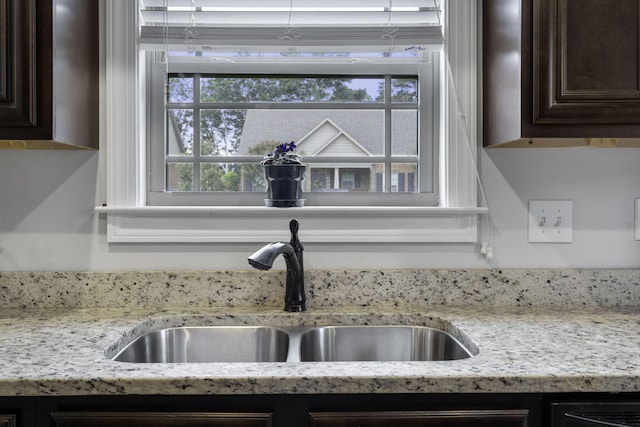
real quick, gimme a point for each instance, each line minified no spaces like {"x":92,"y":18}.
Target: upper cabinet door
{"x":586,"y":63}
{"x":49,"y":71}
{"x":25,"y":88}
{"x":574,"y":68}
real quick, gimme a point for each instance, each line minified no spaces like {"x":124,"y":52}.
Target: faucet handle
{"x":294,"y":226}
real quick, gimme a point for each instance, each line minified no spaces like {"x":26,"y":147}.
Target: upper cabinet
{"x":49,"y":73}
{"x":561,"y":72}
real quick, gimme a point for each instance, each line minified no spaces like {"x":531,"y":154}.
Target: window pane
{"x":289,"y":89}
{"x":180,"y":89}
{"x":252,"y":178}
{"x":355,"y":179}
{"x":403,"y":178}
{"x":320,"y":179}
{"x":352,"y":141}
{"x":345,"y":178}
{"x":404,"y":90}
{"x":219,"y":177}
{"x":220,"y":131}
{"x":180,"y":176}
{"x":404,"y":132}
{"x":363,"y":89}
{"x":180,"y":132}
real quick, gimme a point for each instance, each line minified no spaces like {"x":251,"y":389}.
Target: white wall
{"x":47,"y":220}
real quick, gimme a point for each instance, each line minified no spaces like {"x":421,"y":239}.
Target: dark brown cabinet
{"x":498,"y":418}
{"x":159,"y":419}
{"x":284,"y":410}
{"x":585,"y":413}
{"x":17,"y":412}
{"x":561,"y":72}
{"x":8,"y":420}
{"x":49,"y":73}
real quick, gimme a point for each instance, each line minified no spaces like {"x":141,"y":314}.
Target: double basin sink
{"x":293,"y":344}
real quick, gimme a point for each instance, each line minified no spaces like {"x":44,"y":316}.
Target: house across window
{"x":355,"y":133}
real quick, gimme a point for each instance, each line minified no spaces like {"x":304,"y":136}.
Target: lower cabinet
{"x":458,"y":418}
{"x":343,"y":410}
{"x":159,"y":419}
{"x":8,"y":420}
{"x":593,"y":412}
{"x":482,"y":418}
{"x":17,"y":411}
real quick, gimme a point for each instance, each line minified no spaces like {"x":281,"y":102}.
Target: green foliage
{"x":212,"y":178}
{"x":231,"y":181}
{"x":185,"y":176}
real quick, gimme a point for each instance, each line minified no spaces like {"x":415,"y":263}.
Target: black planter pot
{"x":284,"y":185}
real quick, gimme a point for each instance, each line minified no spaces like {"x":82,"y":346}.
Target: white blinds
{"x":311,"y":25}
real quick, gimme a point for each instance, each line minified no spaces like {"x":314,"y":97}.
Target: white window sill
{"x":327,"y":224}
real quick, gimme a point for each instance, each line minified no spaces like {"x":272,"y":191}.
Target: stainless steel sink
{"x":379,"y":343}
{"x":208,"y":344}
{"x":292,"y":344}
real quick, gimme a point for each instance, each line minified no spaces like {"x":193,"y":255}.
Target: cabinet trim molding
{"x":21,"y":82}
{"x":461,"y":418}
{"x":5,"y":70}
{"x":8,"y":420}
{"x":161,"y":419}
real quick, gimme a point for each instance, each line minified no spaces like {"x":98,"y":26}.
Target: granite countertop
{"x":63,"y":351}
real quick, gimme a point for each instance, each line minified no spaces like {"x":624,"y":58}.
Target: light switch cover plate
{"x":550,"y":221}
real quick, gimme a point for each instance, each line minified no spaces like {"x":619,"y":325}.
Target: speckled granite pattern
{"x":63,"y":352}
{"x":158,"y":289}
{"x":533,"y":330}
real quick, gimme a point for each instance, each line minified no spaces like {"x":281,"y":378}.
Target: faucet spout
{"x":263,"y":258}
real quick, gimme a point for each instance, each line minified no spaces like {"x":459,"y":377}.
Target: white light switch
{"x":550,"y":221}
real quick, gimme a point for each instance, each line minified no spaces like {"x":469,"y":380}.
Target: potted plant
{"x":284,"y":172}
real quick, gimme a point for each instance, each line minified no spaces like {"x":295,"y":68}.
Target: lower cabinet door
{"x":483,"y":418}
{"x":8,"y":420}
{"x":593,"y":414}
{"x":160,"y":419}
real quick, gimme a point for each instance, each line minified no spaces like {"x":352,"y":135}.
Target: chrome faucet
{"x":262,"y":259}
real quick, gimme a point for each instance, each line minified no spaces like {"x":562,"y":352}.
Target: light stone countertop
{"x":533,"y":330}
{"x":520,"y":349}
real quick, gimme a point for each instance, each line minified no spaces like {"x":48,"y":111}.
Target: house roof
{"x":294,"y":125}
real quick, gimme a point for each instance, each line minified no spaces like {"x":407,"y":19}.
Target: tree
{"x":402,"y":90}
{"x":231,"y":181}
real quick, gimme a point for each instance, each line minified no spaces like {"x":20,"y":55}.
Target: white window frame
{"x":129,"y":219}
{"x":428,"y":134}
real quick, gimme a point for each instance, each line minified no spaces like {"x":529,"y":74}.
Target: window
{"x":354,"y":132}
{"x":360,"y":105}
{"x":413,"y":183}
